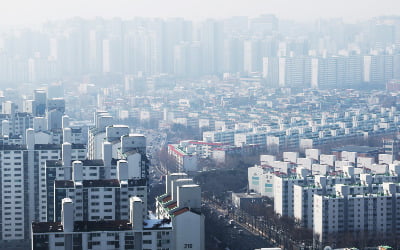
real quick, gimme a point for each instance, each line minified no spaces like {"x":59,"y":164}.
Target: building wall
{"x":189,"y":231}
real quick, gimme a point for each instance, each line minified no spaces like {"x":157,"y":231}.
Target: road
{"x":258,"y":226}
{"x":228,"y":233}
{"x":155,"y":141}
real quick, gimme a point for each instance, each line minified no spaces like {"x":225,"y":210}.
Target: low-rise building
{"x":185,"y":157}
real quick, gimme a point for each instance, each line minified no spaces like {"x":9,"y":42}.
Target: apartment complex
{"x":177,"y":224}
{"x":333,"y":197}
{"x":135,"y":232}
{"x":58,"y":195}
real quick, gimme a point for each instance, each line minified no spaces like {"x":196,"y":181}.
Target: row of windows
{"x":16,"y":213}
{"x":9,"y":175}
{"x":8,"y":218}
{"x":52,"y":157}
{"x":98,"y":210}
{"x":52,"y":151}
{"x":15,"y":158}
{"x":98,"y":217}
{"x":9,"y":197}
{"x":16,"y":230}
{"x":8,"y":152}
{"x":10,"y":235}
{"x":9,"y":186}
{"x":10,"y":169}
{"x":98,"y":189}
{"x":8,"y":208}
{"x":9,"y":192}
{"x":15,"y":202}
{"x":97,"y":203}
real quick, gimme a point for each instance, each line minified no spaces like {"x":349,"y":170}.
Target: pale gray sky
{"x":34,"y":11}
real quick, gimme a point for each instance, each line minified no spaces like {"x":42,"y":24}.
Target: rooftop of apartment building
{"x":357,"y":149}
{"x":82,"y":226}
{"x":99,"y":183}
{"x":57,"y":146}
{"x":87,"y":162}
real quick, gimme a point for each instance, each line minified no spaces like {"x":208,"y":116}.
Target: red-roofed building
{"x":185,"y":158}
{"x":181,"y":204}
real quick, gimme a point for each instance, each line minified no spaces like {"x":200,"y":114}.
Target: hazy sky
{"x":35,"y":11}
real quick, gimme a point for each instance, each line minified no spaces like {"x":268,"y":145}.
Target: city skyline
{"x":34,"y":13}
{"x":176,"y":125}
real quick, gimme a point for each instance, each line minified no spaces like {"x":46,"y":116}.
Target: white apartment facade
{"x":185,"y":160}
{"x":99,"y":199}
{"x":136,"y":232}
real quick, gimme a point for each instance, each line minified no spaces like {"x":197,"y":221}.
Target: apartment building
{"x":260,"y":179}
{"x":97,"y":134}
{"x":23,"y":187}
{"x":99,"y":199}
{"x":177,"y":224}
{"x":181,"y":203}
{"x":129,"y":150}
{"x":283,"y":191}
{"x":203,"y":149}
{"x":344,"y":212}
{"x":136,"y":232}
{"x":294,"y":187}
{"x":225,"y":136}
{"x":185,"y":157}
{"x":258,"y":138}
